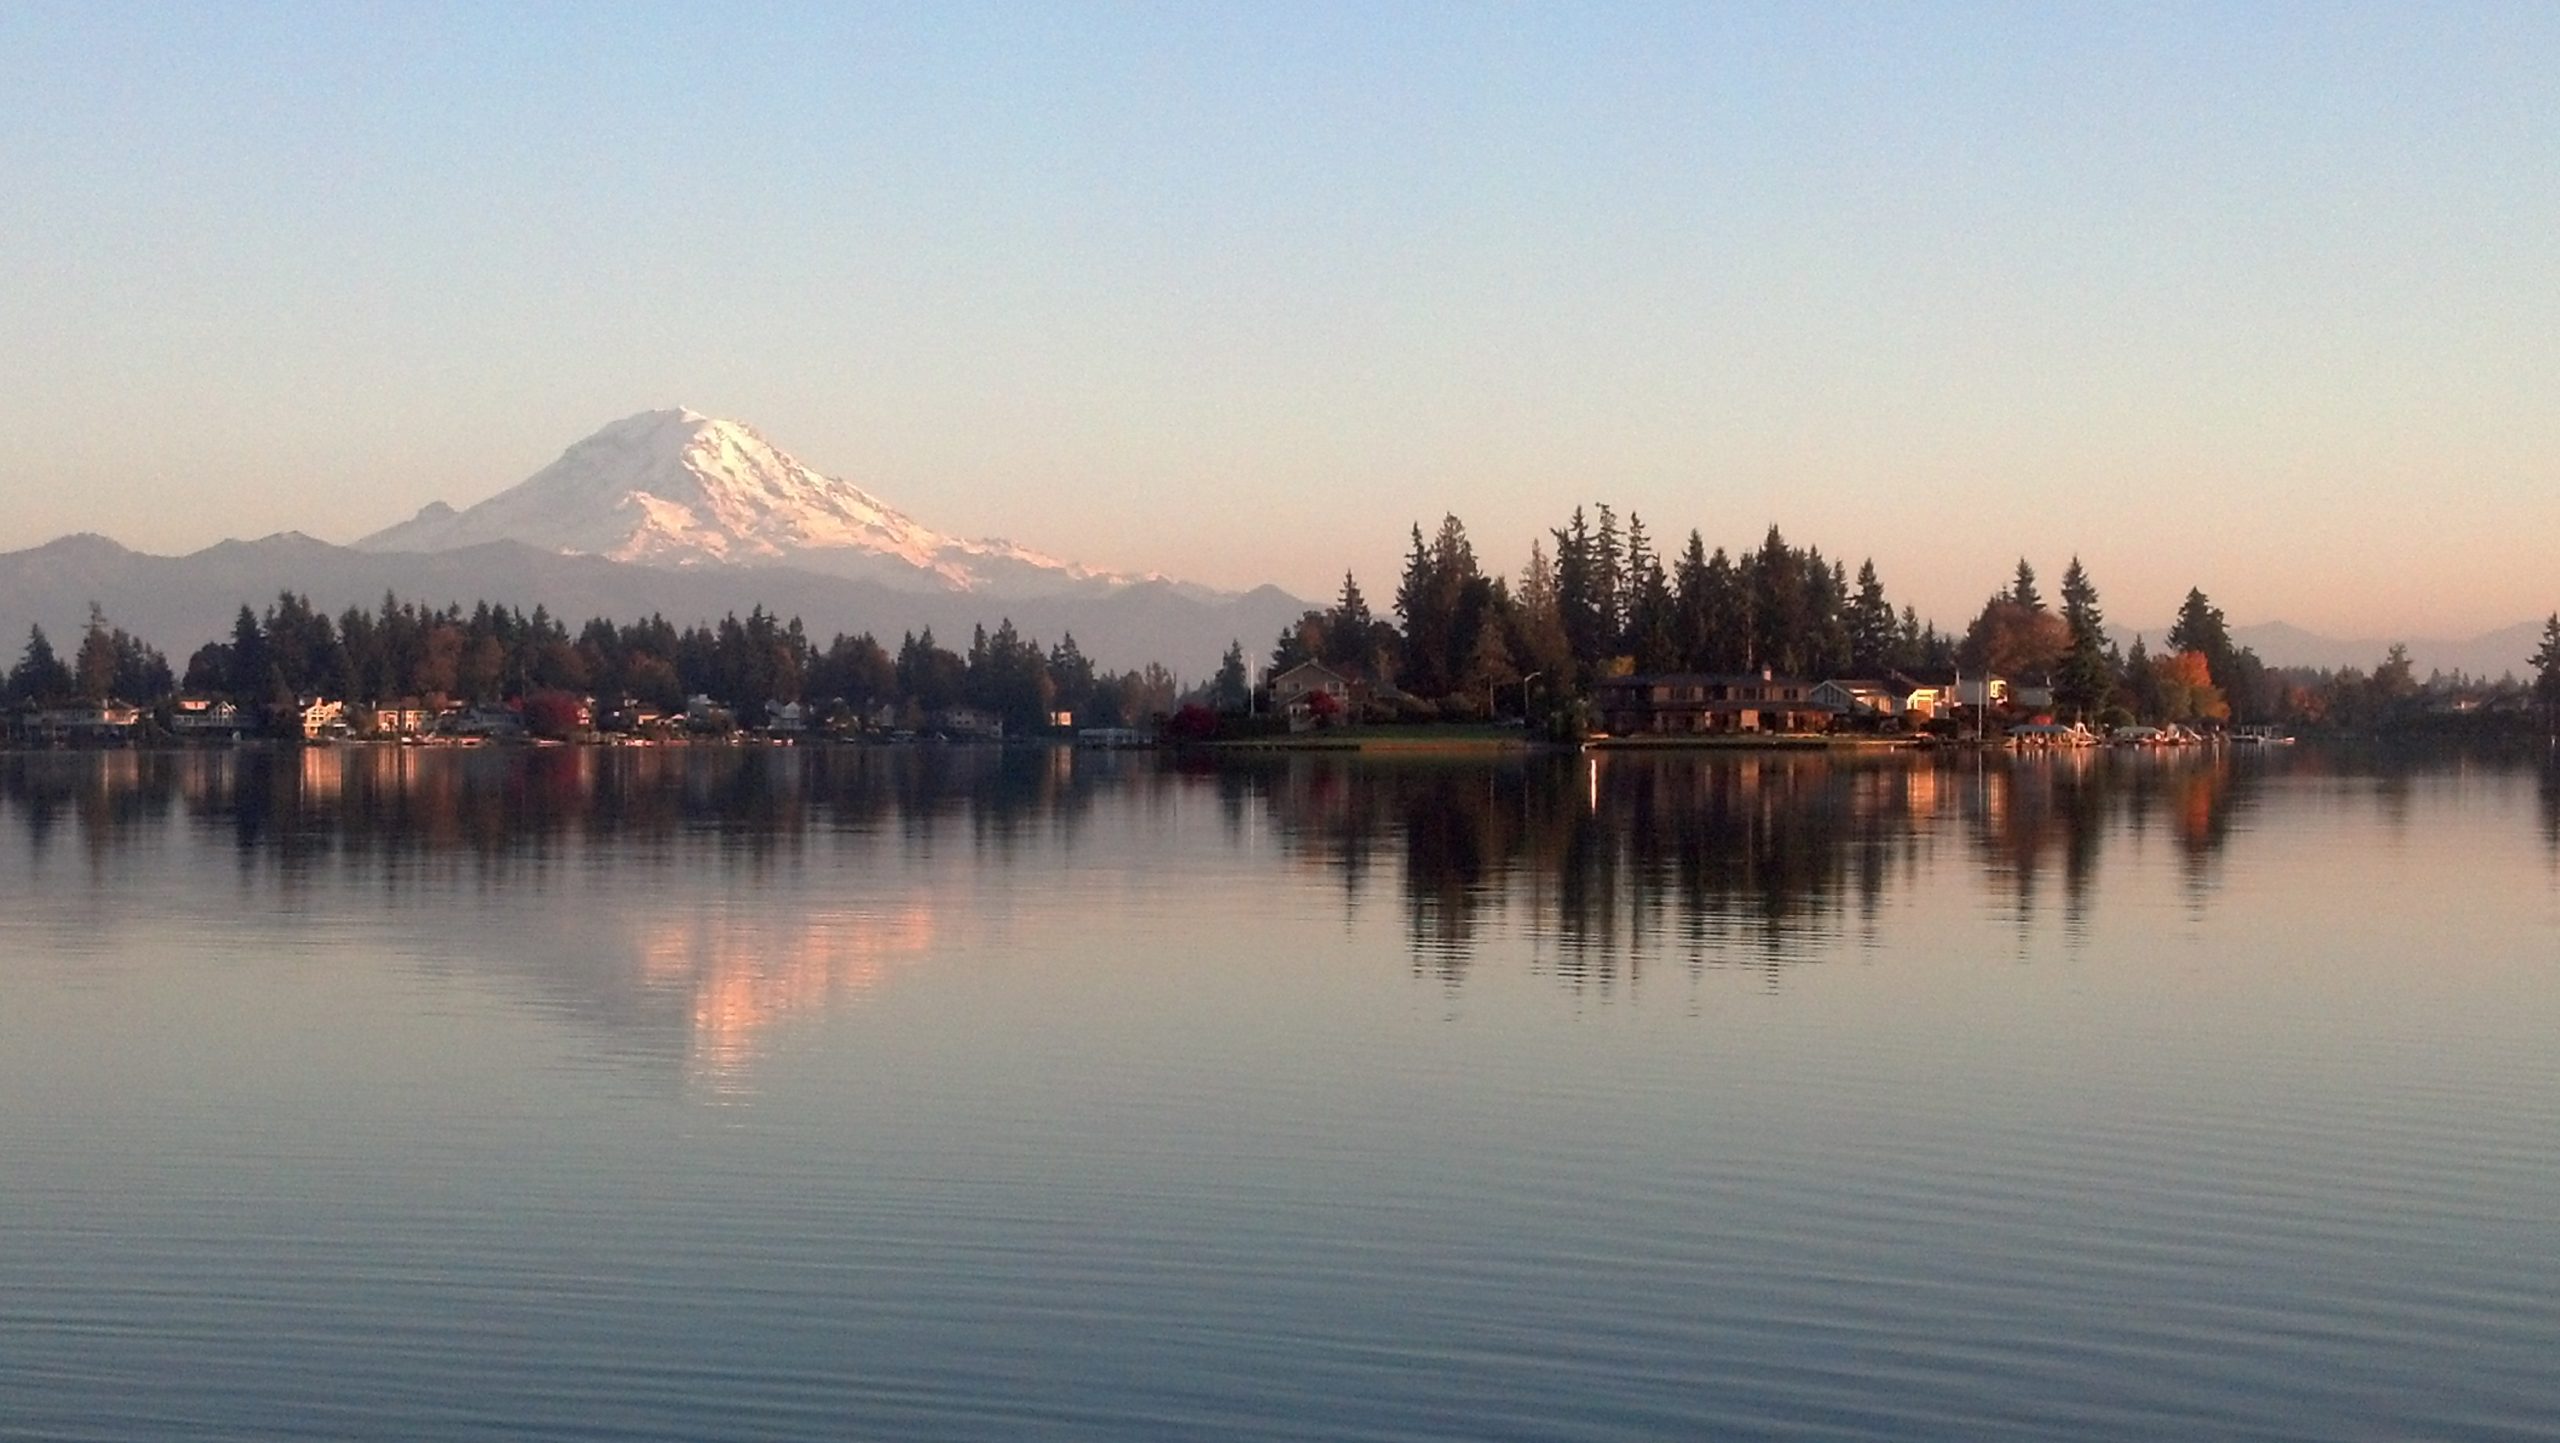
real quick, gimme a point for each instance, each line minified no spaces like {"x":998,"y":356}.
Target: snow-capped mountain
{"x":676,"y":488}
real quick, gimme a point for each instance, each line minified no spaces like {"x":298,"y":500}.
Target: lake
{"x":958,"y":1093}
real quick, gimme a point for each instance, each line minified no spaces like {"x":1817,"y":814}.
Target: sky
{"x":2261,"y":299}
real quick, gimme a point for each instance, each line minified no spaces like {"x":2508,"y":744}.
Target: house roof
{"x":1309,"y":666}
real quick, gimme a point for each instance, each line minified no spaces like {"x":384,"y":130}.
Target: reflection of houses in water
{"x":322,"y":773}
{"x":1588,"y":867}
{"x":743,"y":974}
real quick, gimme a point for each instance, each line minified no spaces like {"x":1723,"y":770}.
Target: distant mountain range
{"x":2279,"y":643}
{"x":690,"y":517}
{"x":666,"y":512}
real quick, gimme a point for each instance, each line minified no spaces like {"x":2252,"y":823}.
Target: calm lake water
{"x":962,"y":1094}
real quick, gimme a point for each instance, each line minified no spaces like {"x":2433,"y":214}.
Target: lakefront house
{"x":1708,"y":704}
{"x":1294,"y":693}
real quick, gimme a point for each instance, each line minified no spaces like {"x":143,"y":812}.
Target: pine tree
{"x":1537,"y":632}
{"x":1426,"y":621}
{"x":40,"y":678}
{"x":1779,"y":624}
{"x":2023,"y":589}
{"x":1347,"y":639}
{"x":2087,"y":678}
{"x":1872,"y":637}
{"x":2199,"y":628}
{"x":1579,"y":605}
{"x":1651,"y":630}
{"x":94,"y":673}
{"x":2546,"y":662}
{"x":1693,"y":623}
{"x":1608,"y":583}
{"x":1231,"y":688}
{"x":1730,"y":624}
{"x":2142,"y":683}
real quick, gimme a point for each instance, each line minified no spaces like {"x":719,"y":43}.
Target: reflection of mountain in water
{"x":678,"y":904}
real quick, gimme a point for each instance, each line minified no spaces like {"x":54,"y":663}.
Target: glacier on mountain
{"x":678,"y":488}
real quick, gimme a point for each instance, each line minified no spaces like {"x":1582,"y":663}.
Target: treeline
{"x":1465,"y":640}
{"x":109,"y":662}
{"x":495,"y":653}
{"x":1607,"y":601}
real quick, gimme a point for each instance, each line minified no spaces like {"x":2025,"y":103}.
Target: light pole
{"x":1524,"y":695}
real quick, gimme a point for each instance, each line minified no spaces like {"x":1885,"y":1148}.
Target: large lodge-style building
{"x":1706,"y":704}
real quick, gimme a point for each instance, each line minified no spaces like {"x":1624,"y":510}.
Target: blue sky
{"x":2261,"y":299}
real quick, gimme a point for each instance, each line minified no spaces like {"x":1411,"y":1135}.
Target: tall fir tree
{"x":2086,"y":681}
{"x":1873,"y":640}
{"x":2022,"y":589}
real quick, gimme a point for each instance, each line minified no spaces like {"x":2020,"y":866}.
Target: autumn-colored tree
{"x":553,"y":714}
{"x":2185,"y":687}
{"x":2013,"y":639}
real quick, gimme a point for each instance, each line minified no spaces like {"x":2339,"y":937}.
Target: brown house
{"x":1293,"y":692}
{"x":1703,"y":704}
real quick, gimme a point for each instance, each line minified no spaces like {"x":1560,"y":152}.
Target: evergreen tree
{"x":1608,"y":583}
{"x":1873,"y":640}
{"x":2022,"y":590}
{"x":1780,"y":623}
{"x":2200,"y":628}
{"x":1537,"y":633}
{"x":40,"y":678}
{"x":2237,"y":674}
{"x":2546,"y":664}
{"x":1731,"y":621}
{"x":1420,"y":603}
{"x":2087,"y":677}
{"x":2142,"y":684}
{"x":247,"y":681}
{"x":1580,"y":605}
{"x":1231,"y":689}
{"x":94,"y":672}
{"x":1651,"y":634}
{"x":1823,"y":648}
{"x":1693,"y":616}
{"x":1350,"y":639}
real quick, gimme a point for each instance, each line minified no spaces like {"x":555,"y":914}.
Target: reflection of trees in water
{"x":1607,"y":862}
{"x":2550,"y":795}
{"x":1604,"y":862}
{"x":289,"y":809}
{"x":1607,"y":859}
{"x":2049,"y":814}
{"x":727,"y":910}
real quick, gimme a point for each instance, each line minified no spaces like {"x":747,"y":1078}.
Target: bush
{"x":552,"y":714}
{"x":1193,"y":723}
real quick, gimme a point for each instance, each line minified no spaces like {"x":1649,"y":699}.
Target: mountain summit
{"x":677,"y":488}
